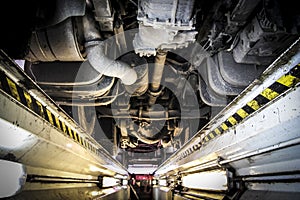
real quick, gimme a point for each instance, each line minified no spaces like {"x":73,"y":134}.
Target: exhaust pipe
{"x":97,"y":58}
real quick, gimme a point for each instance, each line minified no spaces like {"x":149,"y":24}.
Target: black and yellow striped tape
{"x":280,"y":86}
{"x":22,"y":95}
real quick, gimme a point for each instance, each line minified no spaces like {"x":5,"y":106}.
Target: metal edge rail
{"x":282,"y":75}
{"x":17,"y":85}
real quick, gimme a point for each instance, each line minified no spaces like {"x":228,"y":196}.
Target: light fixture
{"x":211,"y":180}
{"x":110,"y":181}
{"x":12,"y":178}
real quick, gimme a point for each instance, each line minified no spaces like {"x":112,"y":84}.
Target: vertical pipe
{"x":157,"y":76}
{"x":158,"y":70}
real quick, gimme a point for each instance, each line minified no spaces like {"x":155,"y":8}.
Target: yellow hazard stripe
{"x":269,"y":94}
{"x":206,"y":139}
{"x":287,"y":80}
{"x":84,"y":142}
{"x":217,"y":131}
{"x":64,"y":128}
{"x":224,"y":126}
{"x":70,"y":132}
{"x":232,"y":120}
{"x":57,"y":122}
{"x":28,"y":100}
{"x":76,"y":136}
{"x":49,"y":114}
{"x":40,"y":108}
{"x":242,"y":113}
{"x":253,"y":104}
{"x":13,"y":89}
